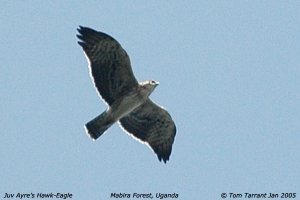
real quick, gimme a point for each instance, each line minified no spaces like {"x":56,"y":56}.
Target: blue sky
{"x":229,"y":74}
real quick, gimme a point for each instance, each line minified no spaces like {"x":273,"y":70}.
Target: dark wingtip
{"x":83,"y":35}
{"x":79,"y":36}
{"x":82,"y":44}
{"x":86,"y":30}
{"x":90,"y":35}
{"x":80,"y":29}
{"x":164,"y":159}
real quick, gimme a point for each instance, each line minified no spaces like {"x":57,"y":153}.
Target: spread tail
{"x":96,"y":127}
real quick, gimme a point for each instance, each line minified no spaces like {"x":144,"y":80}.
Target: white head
{"x":149,"y":86}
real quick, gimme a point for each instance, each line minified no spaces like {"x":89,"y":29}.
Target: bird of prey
{"x":128,"y":100}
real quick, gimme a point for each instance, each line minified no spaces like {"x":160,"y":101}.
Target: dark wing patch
{"x":109,"y":64}
{"x":152,"y":124}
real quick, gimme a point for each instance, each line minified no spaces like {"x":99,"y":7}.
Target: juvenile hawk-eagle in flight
{"x":128,"y":100}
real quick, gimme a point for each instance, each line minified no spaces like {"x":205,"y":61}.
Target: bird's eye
{"x":152,"y":82}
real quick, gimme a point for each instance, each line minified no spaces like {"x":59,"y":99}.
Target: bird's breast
{"x":125,"y":104}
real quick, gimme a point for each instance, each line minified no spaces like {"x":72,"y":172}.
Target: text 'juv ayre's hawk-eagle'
{"x":128,"y":100}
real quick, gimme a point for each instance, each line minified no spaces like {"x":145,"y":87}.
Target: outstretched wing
{"x":152,"y":124}
{"x":109,"y":64}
